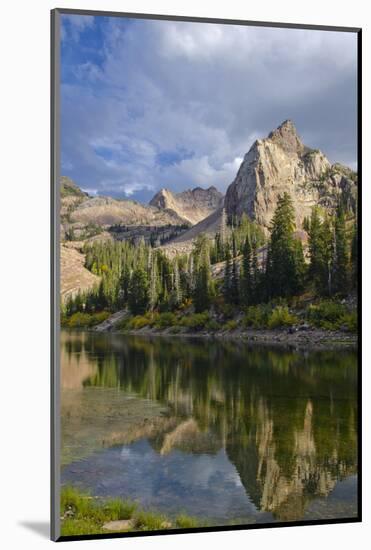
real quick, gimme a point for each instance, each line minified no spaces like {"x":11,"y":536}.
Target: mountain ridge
{"x":194,"y":205}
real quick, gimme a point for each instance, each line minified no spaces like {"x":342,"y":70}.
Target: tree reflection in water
{"x":287,"y":420}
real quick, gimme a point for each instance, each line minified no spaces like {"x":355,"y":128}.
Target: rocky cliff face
{"x":282,"y":163}
{"x":192,"y":205}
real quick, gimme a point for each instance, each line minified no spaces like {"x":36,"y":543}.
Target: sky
{"x":152,"y":104}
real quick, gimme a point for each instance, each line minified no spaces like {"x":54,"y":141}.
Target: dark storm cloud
{"x":176,"y":105}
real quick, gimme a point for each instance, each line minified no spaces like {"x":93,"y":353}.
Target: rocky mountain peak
{"x":193,"y":205}
{"x":162,"y":198}
{"x":286,"y":137}
{"x":281,"y":163}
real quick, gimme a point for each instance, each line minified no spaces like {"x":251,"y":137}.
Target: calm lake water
{"x":223,"y":431}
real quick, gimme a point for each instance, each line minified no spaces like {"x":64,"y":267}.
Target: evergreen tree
{"x":340,"y":275}
{"x":354,"y":256}
{"x":139,"y":292}
{"x":217,"y":253}
{"x":177,"y":290}
{"x":320,"y":251}
{"x":154,"y":282}
{"x":201,"y":293}
{"x":101,"y":298}
{"x":246,"y":279}
{"x":284,"y":266}
{"x":223,"y":234}
{"x":227,"y":283}
{"x":256,"y":294}
{"x":234,"y":290}
{"x":203,"y":285}
{"x":124,"y":285}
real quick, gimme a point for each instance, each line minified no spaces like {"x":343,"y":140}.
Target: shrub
{"x":212,"y":325}
{"x":175,"y":329}
{"x":232,"y":324}
{"x":85,"y":320}
{"x":281,"y":317}
{"x":99,"y":317}
{"x":350,"y":321}
{"x":256,"y":316}
{"x":327,"y":314}
{"x":227,"y":310}
{"x":197,"y":321}
{"x":164,"y":320}
{"x":138,"y":322}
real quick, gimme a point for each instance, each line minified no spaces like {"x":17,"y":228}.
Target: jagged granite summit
{"x":282,"y":163}
{"x":192,"y":205}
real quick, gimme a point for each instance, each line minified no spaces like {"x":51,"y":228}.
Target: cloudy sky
{"x":151,"y":104}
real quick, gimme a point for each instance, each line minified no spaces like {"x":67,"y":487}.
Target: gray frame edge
{"x":55,"y":277}
{"x":196,"y":19}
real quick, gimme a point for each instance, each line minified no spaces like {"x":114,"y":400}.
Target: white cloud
{"x":210,"y":90}
{"x":73,"y":25}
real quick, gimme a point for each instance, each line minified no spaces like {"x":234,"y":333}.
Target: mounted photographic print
{"x":205,"y":279}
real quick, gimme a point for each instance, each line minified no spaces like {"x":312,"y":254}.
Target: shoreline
{"x":310,"y":338}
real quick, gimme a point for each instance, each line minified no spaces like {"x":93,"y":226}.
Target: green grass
{"x":119,"y":509}
{"x":72,"y":527}
{"x":86,"y":515}
{"x":186,"y":522}
{"x":151,"y":521}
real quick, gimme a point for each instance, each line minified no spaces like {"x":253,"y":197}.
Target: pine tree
{"x":315,"y":248}
{"x":101,"y":298}
{"x":256,"y":295}
{"x":234,"y":290}
{"x":124,"y":285}
{"x":223,"y":234}
{"x":178,"y":297}
{"x":203,"y":285}
{"x":246,"y":279}
{"x":201,"y":293}
{"x":227,"y":283}
{"x":139,"y":292}
{"x":217,"y":254}
{"x":340,"y":275}
{"x":154,"y":282}
{"x":321,"y":252}
{"x":284,"y":267}
{"x":354,"y":256}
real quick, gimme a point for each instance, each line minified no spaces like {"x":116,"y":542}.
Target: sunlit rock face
{"x":192,"y":205}
{"x":282,"y":163}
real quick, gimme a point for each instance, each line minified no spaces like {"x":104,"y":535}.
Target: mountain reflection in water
{"x":221,"y":430}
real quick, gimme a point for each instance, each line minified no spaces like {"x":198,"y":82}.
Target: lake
{"x":221,"y":430}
